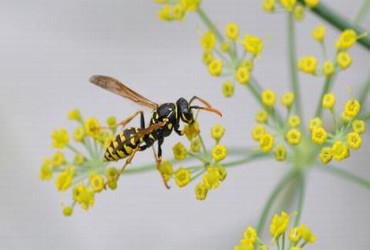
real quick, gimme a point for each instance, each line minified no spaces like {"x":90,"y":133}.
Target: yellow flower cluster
{"x":293,"y":6}
{"x":85,"y":174}
{"x":298,"y":236}
{"x":176,"y":10}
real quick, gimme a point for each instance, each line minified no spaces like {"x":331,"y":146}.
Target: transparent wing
{"x":119,"y":88}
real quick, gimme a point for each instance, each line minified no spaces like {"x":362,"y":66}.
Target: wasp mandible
{"x":165,"y":118}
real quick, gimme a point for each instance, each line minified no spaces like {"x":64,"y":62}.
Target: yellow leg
{"x":158,"y":161}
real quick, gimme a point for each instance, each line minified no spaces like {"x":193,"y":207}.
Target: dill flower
{"x":344,"y":60}
{"x":67,"y":211}
{"x":346,"y":39}
{"x":64,"y":179}
{"x":228,"y":89}
{"x":315,"y":123}
{"x":326,"y":155}
{"x":329,"y":101}
{"x":257,"y":132}
{"x":232,"y":31}
{"x":60,"y":138}
{"x":319,"y":135}
{"x":74,"y":115}
{"x":249,"y":236}
{"x":268,"y":5}
{"x":195,"y":145}
{"x":293,"y":136}
{"x":166,"y":170}
{"x":179,"y":151}
{"x":266,"y":142}
{"x":219,"y":152}
{"x":253,"y":45}
{"x":191,"y":130}
{"x":359,"y":126}
{"x":46,"y":172}
{"x":308,"y":64}
{"x":328,"y":68}
{"x":261,"y":116}
{"x":201,"y":191}
{"x":182,"y":177}
{"x":319,"y":33}
{"x":280,"y":153}
{"x":79,"y":134}
{"x":279,"y":224}
{"x":288,"y":4}
{"x":217,"y":132}
{"x":294,"y":121}
{"x":83,"y":196}
{"x":58,"y":159}
{"x":287,"y":99}
{"x":351,"y":108}
{"x":96,"y":182}
{"x":92,"y":127}
{"x":111,"y":122}
{"x":215,"y":67}
{"x":311,"y":3}
{"x":191,"y":5}
{"x":208,"y":40}
{"x":354,"y":140}
{"x":299,"y":12}
{"x":207,"y":57}
{"x":339,"y":150}
{"x":242,"y":75}
{"x":268,"y":98}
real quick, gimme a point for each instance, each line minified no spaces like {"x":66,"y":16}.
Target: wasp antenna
{"x":210,"y":109}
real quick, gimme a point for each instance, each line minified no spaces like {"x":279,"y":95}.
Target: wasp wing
{"x":119,"y":88}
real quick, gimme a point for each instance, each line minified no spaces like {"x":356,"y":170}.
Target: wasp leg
{"x":158,"y":159}
{"x":178,"y":131}
{"x":124,"y":122}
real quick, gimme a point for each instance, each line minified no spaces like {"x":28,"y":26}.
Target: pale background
{"x":49,"y":49}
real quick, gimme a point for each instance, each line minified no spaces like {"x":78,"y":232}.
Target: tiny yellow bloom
{"x":111,"y":122}
{"x":219,"y":152}
{"x":293,"y":136}
{"x":166,"y":170}
{"x":294,"y":121}
{"x":60,"y":138}
{"x":288,"y":4}
{"x":359,"y":126}
{"x":280,"y":153}
{"x":287,"y":99}
{"x":295,"y":235}
{"x":299,"y":12}
{"x":225,"y":46}
{"x":201,"y":191}
{"x":67,"y":211}
{"x":319,"y":33}
{"x":222,"y":173}
{"x":295,"y":248}
{"x":165,"y":13}
{"x":257,"y":132}
{"x":178,"y":12}
{"x":64,"y":180}
{"x":268,"y":5}
{"x":247,"y":64}
{"x":352,"y":108}
{"x":182,"y":177}
{"x":315,"y":123}
{"x":78,"y":159}
{"x":326,"y":155}
{"x":179,"y":151}
{"x":96,"y":182}
{"x":92,"y":127}
{"x":191,"y":130}
{"x":83,"y":196}
{"x":266,"y":142}
{"x":308,"y":64}
{"x":253,"y":45}
{"x":232,"y":31}
{"x":319,"y":135}
{"x":217,"y":132}
{"x":207,"y":57}
{"x":79,"y":134}
{"x":75,"y":115}
{"x":58,"y":159}
{"x":211,"y":178}
{"x":195,"y":145}
{"x":208,"y":40}
{"x":228,"y":89}
{"x":215,"y":67}
{"x":344,"y":60}
{"x":249,"y":236}
{"x":339,"y":150}
{"x":268,"y":98}
{"x":261,"y":116}
{"x":354,"y":140}
{"x":329,"y":101}
{"x":46,"y":172}
{"x":242,"y":75}
{"x":328,"y":68}
{"x":279,"y":224}
{"x":311,"y":3}
{"x":346,"y":39}
{"x":307,"y":235}
{"x":191,"y":5}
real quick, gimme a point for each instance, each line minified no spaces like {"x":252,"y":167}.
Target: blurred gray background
{"x":48,"y":51}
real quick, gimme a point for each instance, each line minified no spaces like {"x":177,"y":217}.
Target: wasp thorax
{"x":184,"y":110}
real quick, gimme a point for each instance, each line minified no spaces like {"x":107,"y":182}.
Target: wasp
{"x":165,"y":119}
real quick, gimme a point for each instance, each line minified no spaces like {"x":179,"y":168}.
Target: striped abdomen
{"x":123,"y":145}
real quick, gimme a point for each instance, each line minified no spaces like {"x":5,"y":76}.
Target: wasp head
{"x":184,"y":111}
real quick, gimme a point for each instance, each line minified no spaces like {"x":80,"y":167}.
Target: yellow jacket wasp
{"x":165,"y":118}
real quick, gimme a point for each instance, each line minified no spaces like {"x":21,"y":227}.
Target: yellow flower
{"x":191,"y":5}
{"x":339,"y":150}
{"x":253,"y":45}
{"x":92,"y":127}
{"x":215,"y":67}
{"x":346,"y":39}
{"x":208,"y":40}
{"x":46,"y":172}
{"x":359,"y":126}
{"x":268,"y":98}
{"x":311,"y":3}
{"x":192,"y":130}
{"x":111,"y":122}
{"x":201,"y":191}
{"x":319,"y":33}
{"x":351,"y":108}
{"x":166,"y":170}
{"x":293,"y":136}
{"x":60,"y":138}
{"x":225,"y":46}
{"x":207,"y":57}
{"x":288,"y":4}
{"x":247,"y":64}
{"x":319,"y":135}
{"x":326,"y":155}
{"x":219,"y":152}
{"x":279,"y":224}
{"x":308,"y":64}
{"x":266,"y":142}
{"x":328,"y":68}
{"x":280,"y":153}
{"x":228,"y":89}
{"x":165,"y":13}
{"x":268,"y":5}
{"x":179,"y":151}
{"x":79,"y":134}
{"x":307,"y":235}
{"x":78,"y":159}
{"x":249,"y":236}
{"x":257,"y":132}
{"x":222,"y":173}
{"x":242,"y":75}
{"x":195,"y":145}
{"x":211,"y":178}
{"x":64,"y":180}
{"x":299,"y":12}
{"x":295,"y":235}
{"x":67,"y":211}
{"x":315,"y":123}
{"x":261,"y":116}
{"x":294,"y":121}
{"x":112,"y":177}
{"x":287,"y":99}
{"x":182,"y":177}
{"x":329,"y":101}
{"x":217,"y":132}
{"x":344,"y":60}
{"x":74,"y":115}
{"x":83,"y":196}
{"x":232,"y":31}
{"x":58,"y":159}
{"x":354,"y":140}
{"x":96,"y":182}
{"x":179,"y":12}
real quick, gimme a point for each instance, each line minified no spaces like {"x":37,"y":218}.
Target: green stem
{"x":210,"y":24}
{"x":338,"y":21}
{"x":271,"y":200}
{"x":293,"y":64}
{"x":363,"y":11}
{"x":302,"y":189}
{"x":325,"y":89}
{"x":364,"y":91}
{"x":256,"y":156}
